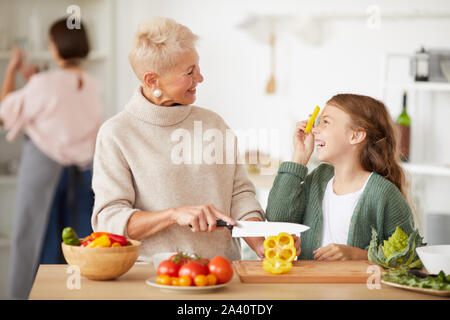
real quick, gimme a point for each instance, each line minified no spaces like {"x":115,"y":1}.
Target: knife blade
{"x":262,"y":228}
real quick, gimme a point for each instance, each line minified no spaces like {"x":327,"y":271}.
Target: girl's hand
{"x":333,"y":252}
{"x":297,"y":242}
{"x":303,"y":143}
{"x":200,"y":218}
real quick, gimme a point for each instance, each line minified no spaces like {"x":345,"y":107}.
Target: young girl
{"x":360,"y":185}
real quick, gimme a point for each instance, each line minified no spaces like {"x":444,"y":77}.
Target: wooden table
{"x":51,"y":282}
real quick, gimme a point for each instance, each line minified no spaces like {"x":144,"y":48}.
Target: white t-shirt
{"x":337,"y":213}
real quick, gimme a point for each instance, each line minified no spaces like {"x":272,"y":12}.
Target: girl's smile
{"x":332,"y":135}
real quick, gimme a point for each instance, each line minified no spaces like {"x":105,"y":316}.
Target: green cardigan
{"x":296,"y":196}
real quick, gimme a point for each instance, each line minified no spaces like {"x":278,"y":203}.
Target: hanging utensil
{"x":271,"y":85}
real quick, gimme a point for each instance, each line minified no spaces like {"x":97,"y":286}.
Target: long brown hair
{"x":380,"y":152}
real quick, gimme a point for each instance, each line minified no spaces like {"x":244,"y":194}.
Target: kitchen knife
{"x":262,"y":228}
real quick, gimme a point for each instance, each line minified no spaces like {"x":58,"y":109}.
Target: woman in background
{"x":60,"y":112}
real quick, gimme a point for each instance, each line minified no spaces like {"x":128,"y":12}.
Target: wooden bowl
{"x":102,"y":263}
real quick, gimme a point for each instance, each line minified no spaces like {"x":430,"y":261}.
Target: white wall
{"x":236,"y":67}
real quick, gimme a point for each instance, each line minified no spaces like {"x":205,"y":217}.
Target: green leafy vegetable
{"x":418,"y":279}
{"x":399,"y":251}
{"x":396,"y":242}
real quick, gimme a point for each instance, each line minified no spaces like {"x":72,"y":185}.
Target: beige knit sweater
{"x":136,"y":168}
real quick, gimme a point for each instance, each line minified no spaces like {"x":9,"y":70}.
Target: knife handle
{"x":221,"y":223}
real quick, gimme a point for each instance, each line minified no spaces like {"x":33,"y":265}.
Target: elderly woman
{"x":141,"y":188}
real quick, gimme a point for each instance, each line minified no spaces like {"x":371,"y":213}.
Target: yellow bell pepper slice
{"x":311,"y":120}
{"x":279,"y":253}
{"x":276,"y":265}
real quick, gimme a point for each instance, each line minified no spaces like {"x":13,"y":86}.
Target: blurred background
{"x":267,"y":64}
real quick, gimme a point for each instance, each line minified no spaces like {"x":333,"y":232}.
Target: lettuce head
{"x":399,"y":251}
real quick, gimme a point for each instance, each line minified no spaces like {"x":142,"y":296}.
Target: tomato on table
{"x":221,"y":267}
{"x":175,"y":281}
{"x":169,"y":268}
{"x":184,"y":281}
{"x":193,"y":269}
{"x":212,"y":279}
{"x":164,"y":279}
{"x":201,"y":280}
{"x":180,"y":258}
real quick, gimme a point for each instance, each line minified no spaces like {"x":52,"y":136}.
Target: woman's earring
{"x":157,"y":93}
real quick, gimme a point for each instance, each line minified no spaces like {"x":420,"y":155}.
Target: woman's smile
{"x":192,"y":90}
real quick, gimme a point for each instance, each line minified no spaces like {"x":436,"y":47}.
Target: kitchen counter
{"x":50,"y":283}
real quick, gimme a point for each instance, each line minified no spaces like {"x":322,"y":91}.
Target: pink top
{"x":59,"y":118}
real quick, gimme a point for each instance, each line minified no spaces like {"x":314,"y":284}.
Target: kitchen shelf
{"x":420,"y":86}
{"x":94,"y":55}
{"x":266,"y":181}
{"x":427,"y":169}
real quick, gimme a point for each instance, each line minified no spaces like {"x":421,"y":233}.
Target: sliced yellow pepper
{"x":276,"y":265}
{"x":311,"y":120}
{"x":279,"y":253}
{"x":101,"y":242}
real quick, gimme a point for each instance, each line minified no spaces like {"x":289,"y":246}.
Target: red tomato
{"x":169,"y":268}
{"x":221,"y":267}
{"x":193,"y":269}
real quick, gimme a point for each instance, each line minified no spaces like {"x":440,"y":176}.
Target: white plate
{"x":192,"y":289}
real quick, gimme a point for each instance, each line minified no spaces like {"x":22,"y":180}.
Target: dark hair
{"x":72,"y":44}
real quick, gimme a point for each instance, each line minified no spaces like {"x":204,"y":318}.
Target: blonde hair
{"x":156,"y":45}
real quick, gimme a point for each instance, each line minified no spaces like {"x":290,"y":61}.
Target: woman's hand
{"x":303,"y":143}
{"x":16,"y":60}
{"x":333,"y":252}
{"x":200,"y":218}
{"x":14,"y":64}
{"x":27,"y":70}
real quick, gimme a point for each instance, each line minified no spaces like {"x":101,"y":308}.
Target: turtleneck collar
{"x":161,"y":116}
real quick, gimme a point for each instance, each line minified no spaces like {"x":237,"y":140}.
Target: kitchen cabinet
{"x":428,"y":170}
{"x":26,"y":22}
